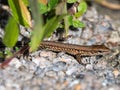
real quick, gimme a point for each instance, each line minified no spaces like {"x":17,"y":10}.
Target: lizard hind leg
{"x":78,"y":58}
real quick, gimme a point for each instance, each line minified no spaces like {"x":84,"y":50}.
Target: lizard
{"x":77,"y":51}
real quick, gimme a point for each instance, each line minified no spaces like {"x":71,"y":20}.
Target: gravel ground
{"x":47,"y":70}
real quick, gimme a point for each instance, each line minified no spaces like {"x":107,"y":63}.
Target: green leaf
{"x":37,"y":37}
{"x":70,"y":20}
{"x":52,"y":3}
{"x":8,"y":53}
{"x":11,"y":33}
{"x":66,"y":23}
{"x":42,"y":8}
{"x":20,"y":12}
{"x":52,"y":24}
{"x":71,"y":1}
{"x":38,"y":31}
{"x":49,"y":26}
{"x":1,"y":55}
{"x":82,"y":8}
{"x":78,"y":24}
{"x":37,"y":15}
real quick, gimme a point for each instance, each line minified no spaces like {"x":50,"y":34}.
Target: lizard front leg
{"x":78,"y":58}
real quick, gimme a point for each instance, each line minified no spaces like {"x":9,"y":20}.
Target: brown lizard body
{"x":76,"y":50}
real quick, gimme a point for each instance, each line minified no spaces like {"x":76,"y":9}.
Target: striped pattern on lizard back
{"x":74,"y":49}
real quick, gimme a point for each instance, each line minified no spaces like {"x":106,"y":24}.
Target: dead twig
{"x":108,"y":4}
{"x":8,"y":60}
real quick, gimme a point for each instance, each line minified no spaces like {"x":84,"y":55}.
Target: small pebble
{"x":89,"y":67}
{"x":116,"y":72}
{"x":43,"y":62}
{"x":51,"y":74}
{"x":71,"y":70}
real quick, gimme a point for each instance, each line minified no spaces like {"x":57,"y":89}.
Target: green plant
{"x":47,"y":16}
